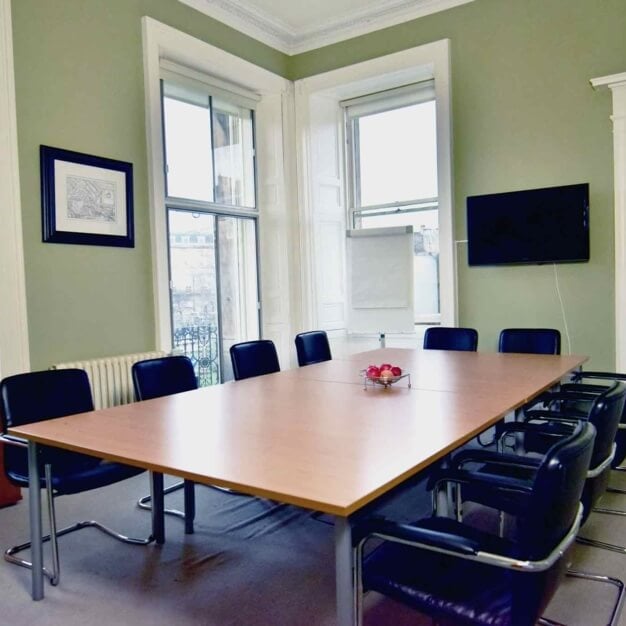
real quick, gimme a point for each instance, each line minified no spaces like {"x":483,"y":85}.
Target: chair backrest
{"x":39,"y":396}
{"x":312,"y":347}
{"x":597,"y":382}
{"x":164,"y":376}
{"x":530,"y":340}
{"x":254,"y":358}
{"x":605,"y":414}
{"x":445,"y":338}
{"x":556,"y":493}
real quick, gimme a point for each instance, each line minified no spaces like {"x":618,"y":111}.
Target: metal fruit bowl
{"x":383,"y":381}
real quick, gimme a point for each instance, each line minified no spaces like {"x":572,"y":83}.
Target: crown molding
{"x":267,"y":28}
{"x":610,"y":81}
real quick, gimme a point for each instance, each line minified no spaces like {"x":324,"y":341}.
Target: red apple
{"x":396,"y":371}
{"x":372,"y":371}
{"x":385,"y":366}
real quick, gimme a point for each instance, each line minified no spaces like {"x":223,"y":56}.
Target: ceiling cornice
{"x":267,"y":28}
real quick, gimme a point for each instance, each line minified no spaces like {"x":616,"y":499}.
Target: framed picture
{"x":86,"y":199}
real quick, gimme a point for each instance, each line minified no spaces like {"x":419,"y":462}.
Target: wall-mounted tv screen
{"x":548,"y":225}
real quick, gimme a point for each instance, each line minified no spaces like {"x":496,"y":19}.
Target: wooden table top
{"x":446,"y":370}
{"x":319,"y":444}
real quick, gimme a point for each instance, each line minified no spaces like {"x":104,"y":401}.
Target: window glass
{"x":189,"y":163}
{"x":238,"y":284}
{"x":393,"y":177}
{"x":194,"y":301}
{"x":210,"y":202}
{"x":234,"y":154}
{"x":397,"y":155}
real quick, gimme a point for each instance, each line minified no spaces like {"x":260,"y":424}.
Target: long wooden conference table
{"x":312,"y":437}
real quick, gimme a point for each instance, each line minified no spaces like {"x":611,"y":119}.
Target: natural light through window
{"x":392,"y":177}
{"x":189,"y":163}
{"x":212,"y":224}
{"x":398,"y":155}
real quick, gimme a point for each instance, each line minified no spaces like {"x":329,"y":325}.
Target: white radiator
{"x":111,"y":378}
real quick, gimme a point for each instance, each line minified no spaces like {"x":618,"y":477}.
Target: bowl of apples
{"x":385,"y":374}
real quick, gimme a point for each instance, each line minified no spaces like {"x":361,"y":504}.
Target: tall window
{"x":208,"y":137}
{"x":392,"y":177}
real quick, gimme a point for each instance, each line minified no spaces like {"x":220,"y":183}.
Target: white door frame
{"x":617,"y":84}
{"x":14,"y":352}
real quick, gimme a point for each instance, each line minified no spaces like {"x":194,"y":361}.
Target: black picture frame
{"x":83,"y":205}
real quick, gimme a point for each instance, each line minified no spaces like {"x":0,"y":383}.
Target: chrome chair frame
{"x":189,"y":497}
{"x":488,"y":558}
{"x":592,"y":473}
{"x":456,"y":497}
{"x":54,"y":576}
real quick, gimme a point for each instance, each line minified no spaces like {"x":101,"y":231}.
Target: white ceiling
{"x":294,"y":26}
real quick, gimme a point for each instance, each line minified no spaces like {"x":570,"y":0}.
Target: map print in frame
{"x":86,"y":199}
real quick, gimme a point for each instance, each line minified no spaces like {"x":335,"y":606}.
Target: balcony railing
{"x":201,"y":345}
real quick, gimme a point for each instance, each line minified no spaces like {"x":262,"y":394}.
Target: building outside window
{"x":210,"y":202}
{"x":392,"y":177}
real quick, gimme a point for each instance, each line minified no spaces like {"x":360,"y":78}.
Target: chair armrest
{"x":578,"y":395}
{"x":394,"y":531}
{"x":491,"y":456}
{"x":10,"y":440}
{"x":600,"y":375}
{"x":552,"y":428}
{"x":582,"y":388}
{"x":556,"y":416}
{"x":480,"y":479}
{"x":462,"y":547}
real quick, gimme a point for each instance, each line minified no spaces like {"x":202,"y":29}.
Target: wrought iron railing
{"x":201,"y":345}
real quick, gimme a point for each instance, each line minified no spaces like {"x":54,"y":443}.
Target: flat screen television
{"x":548,"y":225}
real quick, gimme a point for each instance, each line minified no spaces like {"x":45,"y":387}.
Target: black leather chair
{"x":444,"y":338}
{"x":154,"y":378}
{"x":540,"y":430}
{"x":312,"y":347}
{"x":594,"y":382}
{"x":527,"y":341}
{"x":530,"y":340}
{"x":458,"y":574}
{"x":584,"y":400}
{"x":39,"y":396}
{"x":254,"y":358}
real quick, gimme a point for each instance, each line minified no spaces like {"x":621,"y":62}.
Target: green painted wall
{"x":524,"y":116}
{"x":79,"y":86}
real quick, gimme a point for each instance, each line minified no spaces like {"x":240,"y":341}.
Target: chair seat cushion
{"x":443,"y":586}
{"x":68,"y":480}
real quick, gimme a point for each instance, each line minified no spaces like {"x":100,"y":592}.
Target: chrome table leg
{"x":158,"y":516}
{"x":344,"y":577}
{"x":34,"y":504}
{"x":190,"y":505}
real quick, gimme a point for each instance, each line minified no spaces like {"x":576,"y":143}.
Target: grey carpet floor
{"x":250,"y":562}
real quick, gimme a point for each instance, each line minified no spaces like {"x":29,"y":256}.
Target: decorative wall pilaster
{"x":14,"y":355}
{"x":617,"y":84}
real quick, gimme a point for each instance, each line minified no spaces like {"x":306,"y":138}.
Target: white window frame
{"x":430,"y":61}
{"x":379,"y":102}
{"x":274,"y":122}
